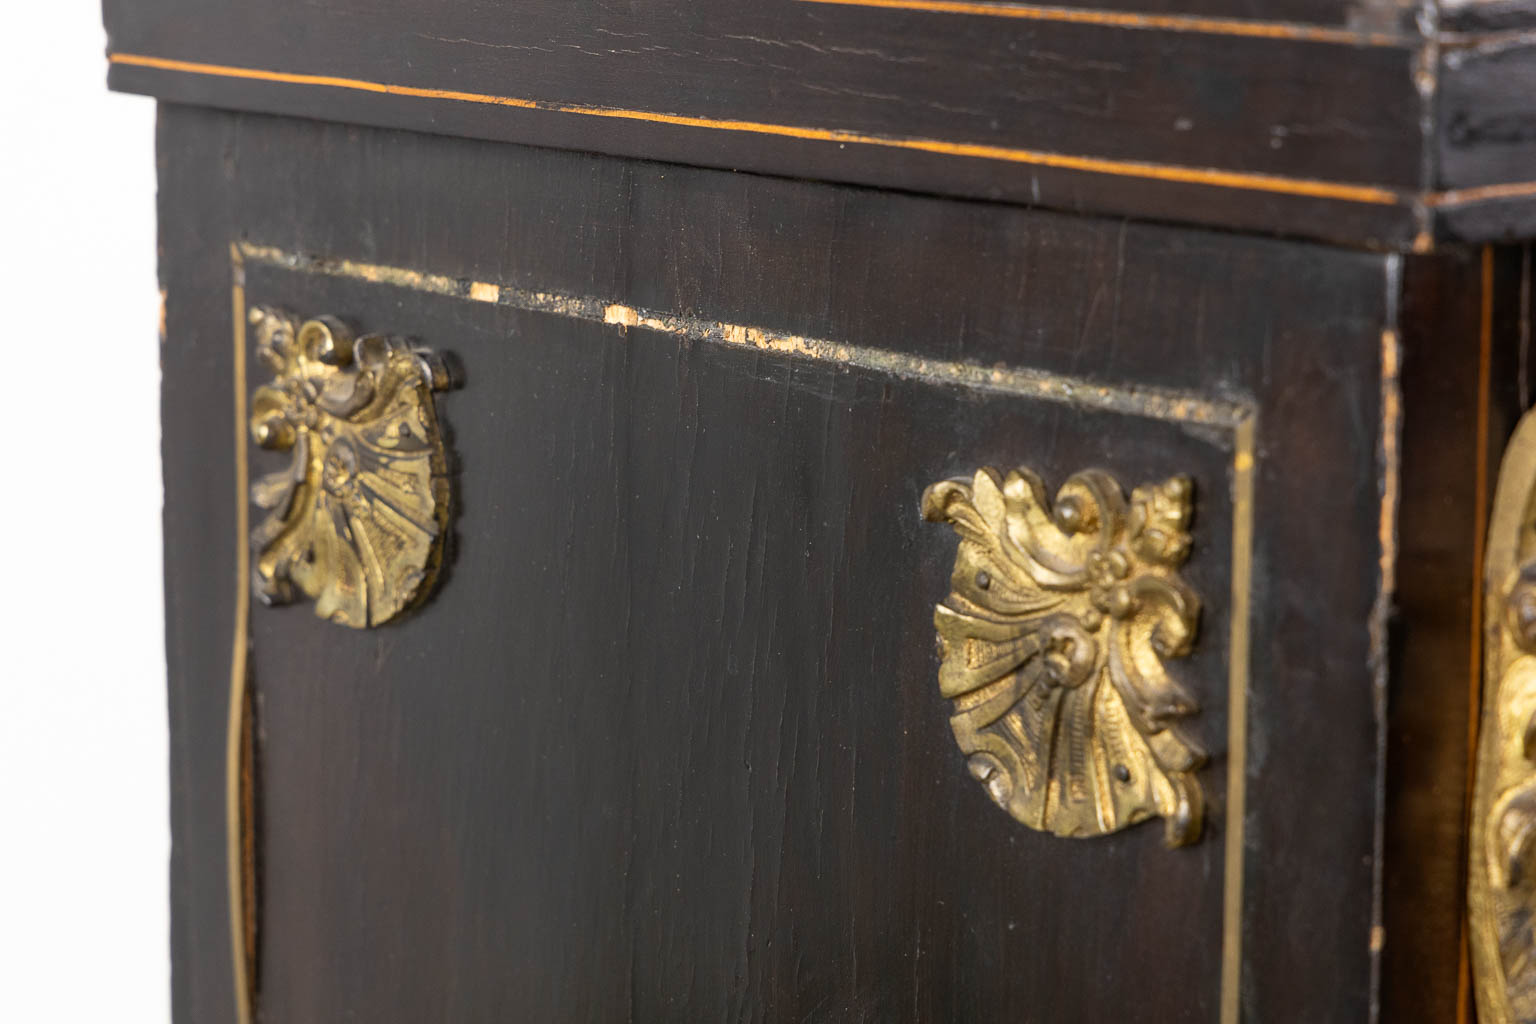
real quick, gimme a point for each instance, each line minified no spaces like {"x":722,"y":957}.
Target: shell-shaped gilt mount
{"x":1052,"y":643}
{"x":357,"y":521}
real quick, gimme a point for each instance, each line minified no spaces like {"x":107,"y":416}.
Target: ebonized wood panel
{"x":1298,"y":131}
{"x":1462,"y":388}
{"x":1487,"y":123}
{"x":1485,"y":17}
{"x":668,"y":743}
{"x":1361,"y":124}
{"x":1323,"y":110}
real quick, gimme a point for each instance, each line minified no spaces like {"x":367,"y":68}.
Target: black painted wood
{"x":1334,"y":94}
{"x":668,"y":744}
{"x":1393,"y":225}
{"x":1459,"y":411}
{"x":1487,"y":123}
{"x":1185,"y":98}
{"x":1487,"y":16}
{"x":1193,"y":99}
{"x":197,"y":404}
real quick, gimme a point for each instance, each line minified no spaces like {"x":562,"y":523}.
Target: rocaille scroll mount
{"x":1052,"y":641}
{"x":357,"y":521}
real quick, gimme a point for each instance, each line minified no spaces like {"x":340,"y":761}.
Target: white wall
{"x":84,"y":832}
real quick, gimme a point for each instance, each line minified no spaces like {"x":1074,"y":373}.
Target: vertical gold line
{"x":1389,"y":456}
{"x":1243,"y":490}
{"x":234,"y":824}
{"x":1391,"y":422}
{"x":1244,"y":437}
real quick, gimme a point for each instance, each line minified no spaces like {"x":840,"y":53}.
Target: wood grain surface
{"x":1304,"y":132}
{"x":668,"y":744}
{"x":1464,"y":387}
{"x":1343,"y":122}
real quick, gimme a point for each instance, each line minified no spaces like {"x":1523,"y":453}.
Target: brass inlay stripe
{"x":1245,"y":441}
{"x":1175,"y":173}
{"x":233,"y":802}
{"x":1389,"y":455}
{"x":1481,"y":194}
{"x":1150,"y":402}
{"x":1238,"y":416}
{"x":1127,"y":19}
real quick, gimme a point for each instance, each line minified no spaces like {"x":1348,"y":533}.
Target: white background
{"x":84,"y":819}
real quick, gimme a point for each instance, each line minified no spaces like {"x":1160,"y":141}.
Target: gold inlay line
{"x":1250,"y":28}
{"x":1481,"y":194}
{"x":1244,"y":445}
{"x":233,"y":802}
{"x":1237,"y":416}
{"x":1176,"y":173}
{"x":1389,"y":454}
{"x":1153,"y":403}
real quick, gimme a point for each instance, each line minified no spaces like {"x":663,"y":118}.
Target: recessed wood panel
{"x":668,"y":740}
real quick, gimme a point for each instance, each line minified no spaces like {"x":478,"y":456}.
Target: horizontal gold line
{"x":1370,"y":194}
{"x":1481,"y":194}
{"x":1126,"y":19}
{"x":1153,"y":403}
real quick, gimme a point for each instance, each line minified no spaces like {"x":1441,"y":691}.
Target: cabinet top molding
{"x":1359,"y":123}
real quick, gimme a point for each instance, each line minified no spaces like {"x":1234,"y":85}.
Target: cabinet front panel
{"x":667,"y":741}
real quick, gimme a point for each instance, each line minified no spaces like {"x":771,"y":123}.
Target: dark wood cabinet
{"x":557,"y":405}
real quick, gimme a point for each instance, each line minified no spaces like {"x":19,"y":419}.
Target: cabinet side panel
{"x":201,"y":547}
{"x":1461,"y":339}
{"x":669,"y":738}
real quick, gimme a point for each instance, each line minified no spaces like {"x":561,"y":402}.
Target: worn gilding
{"x":357,"y":520}
{"x":1052,"y":641}
{"x":1238,"y":417}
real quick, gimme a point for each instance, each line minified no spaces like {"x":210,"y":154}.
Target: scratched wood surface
{"x":1485,"y":134}
{"x":668,"y":744}
{"x":1300,"y":117}
{"x":1303,"y":134}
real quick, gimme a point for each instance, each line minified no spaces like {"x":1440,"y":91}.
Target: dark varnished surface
{"x":1458,"y":310}
{"x":1186,"y":98}
{"x":1487,"y":125}
{"x":1194,"y":96}
{"x":668,"y":743}
{"x":667,"y":746}
{"x":1487,"y":16}
{"x":1191,"y":98}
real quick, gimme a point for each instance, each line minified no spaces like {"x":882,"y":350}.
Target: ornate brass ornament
{"x":357,"y":521}
{"x":1052,"y":642}
{"x":1502,"y":868}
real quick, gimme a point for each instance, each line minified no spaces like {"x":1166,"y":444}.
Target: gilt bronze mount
{"x":357,"y":521}
{"x":1052,"y":641}
{"x":1502,"y":864}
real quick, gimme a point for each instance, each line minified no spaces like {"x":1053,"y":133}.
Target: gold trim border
{"x":1181,"y":174}
{"x":1253,"y":28}
{"x":1245,"y":441}
{"x":1240,"y":417}
{"x":1175,"y":173}
{"x":234,"y":822}
{"x":1154,"y":403}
